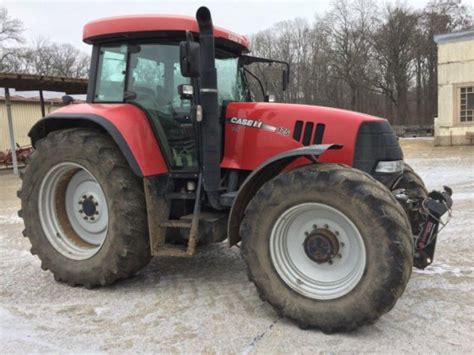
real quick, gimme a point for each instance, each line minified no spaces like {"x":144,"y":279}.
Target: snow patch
{"x":441,"y":269}
{"x":460,"y":196}
{"x":10,"y":219}
{"x":13,"y":328}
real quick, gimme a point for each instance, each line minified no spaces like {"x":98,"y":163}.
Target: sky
{"x":62,"y":21}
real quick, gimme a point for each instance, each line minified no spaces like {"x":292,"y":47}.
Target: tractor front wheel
{"x":327,"y":246}
{"x":415,"y":188}
{"x":84,"y":209}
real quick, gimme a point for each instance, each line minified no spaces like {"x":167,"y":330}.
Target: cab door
{"x":152,"y":79}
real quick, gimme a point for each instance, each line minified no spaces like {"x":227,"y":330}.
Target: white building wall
{"x":455,"y":70}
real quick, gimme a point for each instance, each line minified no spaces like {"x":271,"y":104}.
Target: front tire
{"x":327,"y":246}
{"x":84,"y":209}
{"x":415,"y":188}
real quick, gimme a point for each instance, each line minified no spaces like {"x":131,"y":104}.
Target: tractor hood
{"x":254,"y":132}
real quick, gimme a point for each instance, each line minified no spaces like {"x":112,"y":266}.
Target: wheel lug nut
{"x":330,"y":262}
{"x":315,"y":226}
{"x":339,"y":256}
{"x":84,"y":196}
{"x":306,"y":233}
{"x":85,"y":218}
{"x":342,"y":245}
{"x":97,"y":204}
{"x":326,"y":226}
{"x":80,"y":211}
{"x":96,"y":212}
{"x":92,"y":218}
{"x":336,"y":233}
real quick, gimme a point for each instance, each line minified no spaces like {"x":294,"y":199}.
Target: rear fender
{"x":265,"y":172}
{"x":127,"y":126}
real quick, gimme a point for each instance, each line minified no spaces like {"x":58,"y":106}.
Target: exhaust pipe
{"x":211,"y":131}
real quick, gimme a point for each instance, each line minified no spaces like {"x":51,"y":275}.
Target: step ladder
{"x":193,"y":226}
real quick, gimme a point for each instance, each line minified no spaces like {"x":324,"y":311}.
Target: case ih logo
{"x":259,"y":124}
{"x":246,"y":122}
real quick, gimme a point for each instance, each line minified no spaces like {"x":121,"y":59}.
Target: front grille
{"x":306,"y":133}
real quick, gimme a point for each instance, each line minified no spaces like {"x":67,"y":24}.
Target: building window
{"x":467,"y":104}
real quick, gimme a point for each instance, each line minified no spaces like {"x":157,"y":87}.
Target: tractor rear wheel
{"x":327,"y":246}
{"x":84,"y":209}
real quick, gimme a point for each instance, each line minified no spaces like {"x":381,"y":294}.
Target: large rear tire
{"x":84,"y":209}
{"x":327,"y":246}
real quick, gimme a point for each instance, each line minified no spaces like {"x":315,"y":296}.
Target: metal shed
{"x":41,"y":83}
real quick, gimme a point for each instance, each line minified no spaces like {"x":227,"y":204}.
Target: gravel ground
{"x":206,"y":304}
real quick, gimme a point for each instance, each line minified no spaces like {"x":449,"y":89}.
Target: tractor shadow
{"x":214,"y":263}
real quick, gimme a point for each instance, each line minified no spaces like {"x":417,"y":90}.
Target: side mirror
{"x":189,"y":57}
{"x":269,"y":98}
{"x":67,"y":100}
{"x":285,"y":80}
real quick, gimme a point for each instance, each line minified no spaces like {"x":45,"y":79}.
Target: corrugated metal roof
{"x":18,"y":98}
{"x":29,"y":82}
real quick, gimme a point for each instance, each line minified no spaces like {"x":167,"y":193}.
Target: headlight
{"x":395,"y":166}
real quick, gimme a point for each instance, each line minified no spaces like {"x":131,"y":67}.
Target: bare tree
{"x":358,"y":56}
{"x":42,"y":57}
{"x":10,"y":34}
{"x":349,"y":26}
{"x":393,"y":44}
{"x":46,"y":58}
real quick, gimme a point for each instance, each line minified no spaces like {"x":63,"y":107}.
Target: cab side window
{"x":111,"y":74}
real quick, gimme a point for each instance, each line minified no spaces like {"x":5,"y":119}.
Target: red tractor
{"x":171,"y":152}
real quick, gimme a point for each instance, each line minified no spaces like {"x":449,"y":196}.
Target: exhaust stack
{"x":211,"y":131}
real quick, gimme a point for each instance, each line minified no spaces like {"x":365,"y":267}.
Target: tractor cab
{"x":144,"y":68}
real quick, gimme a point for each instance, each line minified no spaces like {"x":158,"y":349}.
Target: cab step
{"x":181,"y":196}
{"x":173,"y":250}
{"x":176,"y":224}
{"x":228,"y":198}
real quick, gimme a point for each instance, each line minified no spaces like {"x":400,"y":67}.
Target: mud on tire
{"x":125,"y":248}
{"x":381,"y":221}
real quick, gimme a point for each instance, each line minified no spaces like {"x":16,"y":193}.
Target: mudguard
{"x":266,"y":171}
{"x":125,"y":123}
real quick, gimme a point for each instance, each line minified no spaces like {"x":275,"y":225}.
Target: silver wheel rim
{"x":317,"y":280}
{"x":73,"y":211}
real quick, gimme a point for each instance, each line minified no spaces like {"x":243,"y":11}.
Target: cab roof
{"x":124,"y":26}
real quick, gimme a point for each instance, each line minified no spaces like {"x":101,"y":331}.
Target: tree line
{"x":41,"y":57}
{"x":359,"y":55}
{"x":363,"y":56}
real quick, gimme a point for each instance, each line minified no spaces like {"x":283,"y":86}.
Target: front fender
{"x":265,"y":172}
{"x":126,"y":124}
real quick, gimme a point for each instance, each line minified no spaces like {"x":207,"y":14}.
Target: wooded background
{"x":366,"y":57}
{"x":359,"y":55}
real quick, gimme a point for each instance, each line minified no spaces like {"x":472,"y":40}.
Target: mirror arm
{"x":258,"y":80}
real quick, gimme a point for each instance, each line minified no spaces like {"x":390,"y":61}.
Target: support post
{"x":10,"y":130}
{"x":43,"y":112}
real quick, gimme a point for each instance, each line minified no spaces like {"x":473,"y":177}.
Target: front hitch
{"x":429,"y":211}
